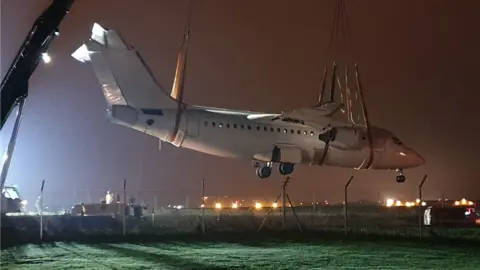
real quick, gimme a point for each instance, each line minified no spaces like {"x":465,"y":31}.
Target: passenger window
{"x":228,"y":125}
{"x":278,"y":129}
{"x":292,"y":131}
{"x":206,"y":123}
{"x":265,"y":128}
{"x":220,"y":125}
{"x":305,"y":132}
{"x":242,"y":126}
{"x":298,"y":132}
{"x":285,"y":131}
{"x":249,"y":127}
{"x":272,"y":129}
{"x":312,"y":133}
{"x":258,"y":128}
{"x":213,"y":124}
{"x":234,"y":125}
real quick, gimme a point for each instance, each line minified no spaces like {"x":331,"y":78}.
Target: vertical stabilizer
{"x":121,"y":72}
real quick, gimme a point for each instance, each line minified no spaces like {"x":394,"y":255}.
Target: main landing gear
{"x":265,"y":170}
{"x":400,"y":177}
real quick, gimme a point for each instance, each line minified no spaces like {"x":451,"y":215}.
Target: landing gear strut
{"x":400,"y":177}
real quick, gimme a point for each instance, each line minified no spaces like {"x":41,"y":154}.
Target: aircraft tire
{"x":401,"y":178}
{"x":264,"y":172}
{"x":286,"y":168}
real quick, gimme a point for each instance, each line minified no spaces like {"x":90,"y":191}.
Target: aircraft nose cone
{"x":417,"y":159}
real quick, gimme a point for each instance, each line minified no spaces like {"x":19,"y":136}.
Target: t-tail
{"x":133,"y":96}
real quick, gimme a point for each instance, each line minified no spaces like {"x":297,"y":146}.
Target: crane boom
{"x":14,"y":87}
{"x":15,"y":83}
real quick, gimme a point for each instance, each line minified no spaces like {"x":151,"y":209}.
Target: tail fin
{"x":124,"y":77}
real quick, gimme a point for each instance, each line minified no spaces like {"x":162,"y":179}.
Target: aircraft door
{"x":193,"y":123}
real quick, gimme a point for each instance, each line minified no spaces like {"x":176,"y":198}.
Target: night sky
{"x":419,"y":62}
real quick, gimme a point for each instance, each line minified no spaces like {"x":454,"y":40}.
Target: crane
{"x":14,"y":87}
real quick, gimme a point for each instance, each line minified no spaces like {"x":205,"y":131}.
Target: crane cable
{"x":341,"y":25}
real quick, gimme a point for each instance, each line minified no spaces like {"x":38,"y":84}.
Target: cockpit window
{"x":396,"y":141}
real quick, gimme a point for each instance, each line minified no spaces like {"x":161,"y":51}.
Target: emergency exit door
{"x":193,"y":123}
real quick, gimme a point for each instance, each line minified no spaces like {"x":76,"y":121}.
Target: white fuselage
{"x":231,"y":134}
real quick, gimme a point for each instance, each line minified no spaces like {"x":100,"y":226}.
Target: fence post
{"x":203,"y":206}
{"x":41,"y":209}
{"x":345,"y":205}
{"x":420,"y":208}
{"x":124,"y":231}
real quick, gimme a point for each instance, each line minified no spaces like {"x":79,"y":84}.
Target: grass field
{"x":266,"y":255}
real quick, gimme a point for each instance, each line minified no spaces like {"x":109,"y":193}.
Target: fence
{"x":165,"y":212}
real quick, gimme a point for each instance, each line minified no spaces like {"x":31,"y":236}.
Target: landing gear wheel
{"x":401,"y":178}
{"x":286,"y":168}
{"x":264,"y":172}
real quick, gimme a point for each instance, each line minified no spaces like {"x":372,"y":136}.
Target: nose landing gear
{"x":400,"y":177}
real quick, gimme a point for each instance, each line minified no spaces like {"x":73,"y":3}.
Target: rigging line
{"x":332,"y":33}
{"x":347,"y":22}
{"x":338,"y":21}
{"x":342,"y":17}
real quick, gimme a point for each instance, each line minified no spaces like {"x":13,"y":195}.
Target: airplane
{"x":308,"y":136}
